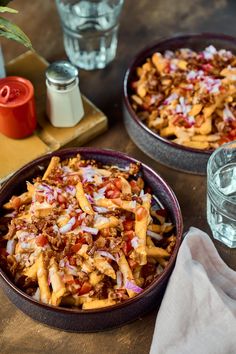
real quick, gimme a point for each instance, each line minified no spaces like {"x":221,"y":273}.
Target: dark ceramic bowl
{"x":160,"y":149}
{"x":106,"y":318}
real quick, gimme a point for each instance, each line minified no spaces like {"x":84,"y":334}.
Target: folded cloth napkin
{"x":198,"y":311}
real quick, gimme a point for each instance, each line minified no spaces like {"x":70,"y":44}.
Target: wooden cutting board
{"x":15,"y":153}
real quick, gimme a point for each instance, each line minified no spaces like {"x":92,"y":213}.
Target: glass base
{"x":224,"y":240}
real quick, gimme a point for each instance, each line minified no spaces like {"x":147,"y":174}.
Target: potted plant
{"x":10,"y":30}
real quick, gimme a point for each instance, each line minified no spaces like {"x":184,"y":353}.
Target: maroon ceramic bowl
{"x":105,"y":318}
{"x":160,"y":149}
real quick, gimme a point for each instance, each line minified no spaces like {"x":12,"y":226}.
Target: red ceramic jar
{"x":17,"y":107}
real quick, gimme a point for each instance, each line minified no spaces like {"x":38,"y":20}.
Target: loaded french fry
{"x":55,"y":160}
{"x":127,"y":273}
{"x":142,"y":217}
{"x":96,"y":304}
{"x":198,"y":96}
{"x":58,"y":287}
{"x":42,"y":276}
{"x":83,"y":201}
{"x":72,"y":243}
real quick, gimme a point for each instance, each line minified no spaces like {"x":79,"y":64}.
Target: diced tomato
{"x":141,"y":213}
{"x":118,"y":183}
{"x":72,"y":261}
{"x":110,"y":186}
{"x":61,"y":199}
{"x":82,"y":240}
{"x":128,"y":225}
{"x":233,"y":124}
{"x":77,"y":281}
{"x":207,"y":67}
{"x":75,"y":248}
{"x":127,"y":247}
{"x":224,"y":140}
{"x":39,"y":198}
{"x":129,"y":234}
{"x":112,"y":194}
{"x":41,"y":240}
{"x":232,"y":134}
{"x":68,"y":278}
{"x":134,"y":187}
{"x":85,"y":288}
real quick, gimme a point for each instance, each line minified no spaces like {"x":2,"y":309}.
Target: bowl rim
{"x":141,"y":56}
{"x":128,"y":159}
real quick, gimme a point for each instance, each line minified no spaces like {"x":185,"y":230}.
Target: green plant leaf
{"x":4,"y":2}
{"x":8,"y":9}
{"x":11,"y":31}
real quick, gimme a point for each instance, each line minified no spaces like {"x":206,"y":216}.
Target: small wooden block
{"x":16,"y":153}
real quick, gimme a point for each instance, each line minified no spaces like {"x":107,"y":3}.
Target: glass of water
{"x":90,"y":29}
{"x":221,"y":194}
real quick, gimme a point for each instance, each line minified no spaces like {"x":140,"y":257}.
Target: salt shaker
{"x":64,"y":104}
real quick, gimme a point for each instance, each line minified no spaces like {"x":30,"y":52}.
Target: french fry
{"x":96,"y":304}
{"x":103,"y":266}
{"x":127,"y":273}
{"x":142,"y":216}
{"x":42,"y":276}
{"x":157,"y":252}
{"x":82,"y":199}
{"x":51,"y":167}
{"x":58,"y":287}
{"x":104,"y":223}
{"x":17,"y":201}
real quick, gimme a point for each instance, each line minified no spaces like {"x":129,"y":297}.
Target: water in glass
{"x":221,"y":207}
{"x":90,"y":31}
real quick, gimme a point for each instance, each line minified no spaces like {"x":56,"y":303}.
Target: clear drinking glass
{"x":90,"y":29}
{"x":221,"y":194}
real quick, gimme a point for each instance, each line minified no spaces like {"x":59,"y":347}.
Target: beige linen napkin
{"x":198,"y":311}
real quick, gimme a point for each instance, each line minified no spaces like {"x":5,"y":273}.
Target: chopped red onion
{"x":68,"y":226}
{"x":171,"y":98}
{"x":134,"y":242}
{"x":45,"y":186}
{"x":158,"y":201}
{"x":152,"y":234}
{"x":106,"y":254}
{"x":71,"y":190}
{"x":72,"y":269}
{"x":132,"y":286}
{"x":100,"y":194}
{"x":100,"y":209}
{"x":61,"y":263}
{"x":90,"y":199}
{"x":11,"y":244}
{"x":91,"y":230}
{"x":228,"y":116}
{"x":119,"y":278}
{"x":36,"y":295}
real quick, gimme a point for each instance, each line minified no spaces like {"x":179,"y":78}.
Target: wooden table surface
{"x":142,"y":22}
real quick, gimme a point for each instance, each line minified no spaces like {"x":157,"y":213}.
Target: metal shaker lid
{"x":61,"y":73}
